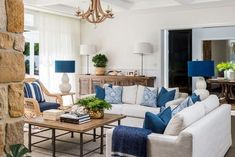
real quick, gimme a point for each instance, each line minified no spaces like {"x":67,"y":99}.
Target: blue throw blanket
{"x":129,"y":141}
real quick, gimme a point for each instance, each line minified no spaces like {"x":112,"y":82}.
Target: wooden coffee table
{"x":82,"y":129}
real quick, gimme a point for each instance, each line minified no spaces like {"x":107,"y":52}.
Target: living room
{"x":160,"y":68}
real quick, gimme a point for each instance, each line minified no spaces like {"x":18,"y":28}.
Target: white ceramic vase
{"x":225,"y":74}
{"x":230,"y":74}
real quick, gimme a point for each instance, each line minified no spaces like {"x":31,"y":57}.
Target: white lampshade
{"x":143,"y":48}
{"x":87,"y":49}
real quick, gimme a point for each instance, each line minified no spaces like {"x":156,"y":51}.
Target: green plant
{"x":93,"y":103}
{"x":225,"y":66}
{"x":100,"y":60}
{"x":18,"y":150}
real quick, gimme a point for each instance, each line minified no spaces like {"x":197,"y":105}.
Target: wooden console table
{"x":226,"y":93}
{"x":86,"y":83}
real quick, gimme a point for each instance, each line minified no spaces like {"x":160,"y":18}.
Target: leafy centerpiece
{"x":100,"y":62}
{"x":228,"y":68}
{"x":94,"y":106}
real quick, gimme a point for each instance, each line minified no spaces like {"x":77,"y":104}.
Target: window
{"x":31,"y":53}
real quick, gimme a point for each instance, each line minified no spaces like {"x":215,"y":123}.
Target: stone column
{"x":12,"y":73}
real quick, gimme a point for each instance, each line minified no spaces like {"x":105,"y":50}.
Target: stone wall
{"x":12,"y":73}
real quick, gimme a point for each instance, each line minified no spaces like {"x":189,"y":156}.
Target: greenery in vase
{"x":225,"y":66}
{"x":93,"y":103}
{"x":100,"y":60}
{"x":18,"y":150}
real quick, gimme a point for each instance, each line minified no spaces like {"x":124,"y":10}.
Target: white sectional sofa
{"x":202,"y":130}
{"x":131,"y":100}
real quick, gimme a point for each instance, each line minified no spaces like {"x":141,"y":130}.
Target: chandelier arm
{"x":101,"y":11}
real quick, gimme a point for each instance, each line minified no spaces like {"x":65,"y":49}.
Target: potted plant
{"x":228,"y":69}
{"x":100,"y":62}
{"x":94,"y":106}
{"x":18,"y":150}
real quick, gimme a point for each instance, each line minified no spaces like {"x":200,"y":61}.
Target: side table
{"x":67,"y":94}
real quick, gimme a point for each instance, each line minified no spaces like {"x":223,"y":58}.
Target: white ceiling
{"x":70,"y":6}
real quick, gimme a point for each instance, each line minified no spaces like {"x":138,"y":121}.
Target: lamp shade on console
{"x":143,"y":48}
{"x":65,"y":67}
{"x":201,"y":68}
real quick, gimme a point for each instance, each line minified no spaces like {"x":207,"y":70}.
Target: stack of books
{"x":75,"y":119}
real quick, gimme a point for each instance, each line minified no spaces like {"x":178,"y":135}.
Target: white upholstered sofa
{"x":202,"y":130}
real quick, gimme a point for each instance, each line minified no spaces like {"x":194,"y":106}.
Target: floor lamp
{"x":142,"y":49}
{"x":87,"y":50}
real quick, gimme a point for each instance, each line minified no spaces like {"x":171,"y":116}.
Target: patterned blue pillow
{"x":186,"y":103}
{"x":113,"y":95}
{"x":100,"y":92}
{"x":34,"y":90}
{"x":165,"y":96}
{"x":195,"y":98}
{"x":149,"y":97}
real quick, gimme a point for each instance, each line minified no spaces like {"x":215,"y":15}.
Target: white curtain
{"x":59,"y":40}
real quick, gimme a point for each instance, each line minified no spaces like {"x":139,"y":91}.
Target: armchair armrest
{"x":31,"y":105}
{"x":58,"y":97}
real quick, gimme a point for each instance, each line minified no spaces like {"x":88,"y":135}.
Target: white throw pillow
{"x":185,"y":118}
{"x":177,"y":93}
{"x":210,"y":103}
{"x":140,"y":93}
{"x":129,"y":94}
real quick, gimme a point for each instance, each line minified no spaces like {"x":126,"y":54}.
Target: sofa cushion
{"x":177,"y":92}
{"x":100,"y":91}
{"x":185,"y":118}
{"x":116,"y":109}
{"x":186,"y":103}
{"x":195,"y":98}
{"x":149,"y":98}
{"x":140,"y":93}
{"x":165,"y":96}
{"x":157,"y":123}
{"x":113,"y":95}
{"x":138,"y":110}
{"x":48,"y":105}
{"x":210,"y":103}
{"x":34,"y":90}
{"x":129,"y":94}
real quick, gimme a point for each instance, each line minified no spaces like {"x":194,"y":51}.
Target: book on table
{"x":76,"y":119}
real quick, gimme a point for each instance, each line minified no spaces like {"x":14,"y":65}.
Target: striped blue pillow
{"x":34,"y":90}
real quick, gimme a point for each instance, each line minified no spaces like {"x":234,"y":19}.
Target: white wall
{"x":116,"y":37}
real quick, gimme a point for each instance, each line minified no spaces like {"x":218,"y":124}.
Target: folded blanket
{"x":129,"y":142}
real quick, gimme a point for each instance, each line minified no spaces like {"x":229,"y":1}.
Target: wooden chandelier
{"x":95,"y":13}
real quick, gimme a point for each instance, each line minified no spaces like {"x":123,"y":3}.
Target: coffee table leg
{"x":81,"y":144}
{"x":102,"y":140}
{"x":29,"y":136}
{"x":119,"y":122}
{"x":53,"y":143}
{"x":94,"y":135}
{"x":72,"y":134}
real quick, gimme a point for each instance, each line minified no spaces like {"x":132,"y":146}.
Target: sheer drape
{"x":59,"y":40}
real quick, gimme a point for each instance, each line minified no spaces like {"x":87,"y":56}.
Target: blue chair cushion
{"x":165,"y":96}
{"x":100,"y":92}
{"x":157,"y":123}
{"x":195,"y":98}
{"x":48,"y":105}
{"x":34,"y":90}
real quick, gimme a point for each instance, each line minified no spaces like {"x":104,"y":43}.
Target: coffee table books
{"x":74,"y":118}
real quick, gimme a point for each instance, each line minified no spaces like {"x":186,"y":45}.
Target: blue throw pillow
{"x":100,"y":92}
{"x":164,"y":96}
{"x":195,"y":98}
{"x":157,"y":123}
{"x":113,"y":95}
{"x":186,"y":103}
{"x":149,"y":97}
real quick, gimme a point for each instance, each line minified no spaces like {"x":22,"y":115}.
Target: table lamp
{"x":201,"y":69}
{"x":65,"y":67}
{"x":87,"y":50}
{"x":142,"y":49}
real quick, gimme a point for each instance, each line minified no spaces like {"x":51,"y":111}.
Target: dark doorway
{"x":180,"y":52}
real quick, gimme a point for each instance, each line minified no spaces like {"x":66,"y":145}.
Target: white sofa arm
{"x":159,"y":145}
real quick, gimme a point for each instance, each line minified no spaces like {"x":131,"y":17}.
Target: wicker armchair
{"x":32,"y":107}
